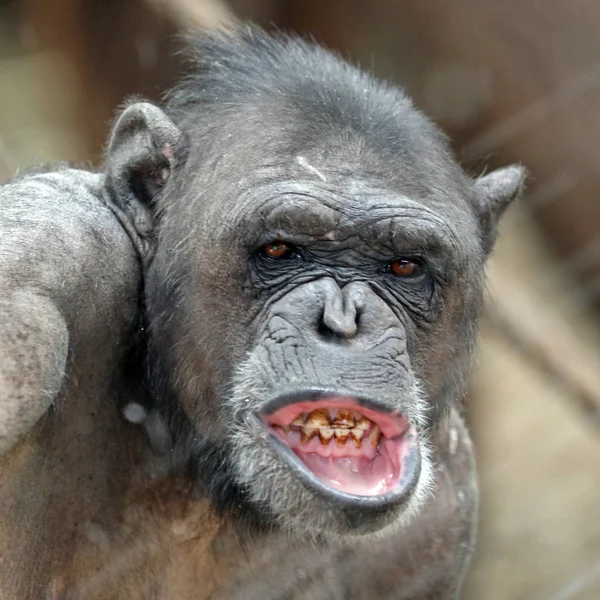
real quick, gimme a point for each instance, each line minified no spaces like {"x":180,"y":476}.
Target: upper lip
{"x":313,"y":394}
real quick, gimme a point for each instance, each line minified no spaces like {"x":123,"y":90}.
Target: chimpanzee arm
{"x":58,"y":280}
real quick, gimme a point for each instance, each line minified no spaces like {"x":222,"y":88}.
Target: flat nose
{"x":342,"y":309}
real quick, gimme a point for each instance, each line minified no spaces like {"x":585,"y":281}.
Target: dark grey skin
{"x":275,"y":139}
{"x":69,"y":285}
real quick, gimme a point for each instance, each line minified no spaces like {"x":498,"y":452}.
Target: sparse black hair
{"x":301,"y":82}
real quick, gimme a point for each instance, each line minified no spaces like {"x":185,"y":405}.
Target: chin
{"x":326,"y":463}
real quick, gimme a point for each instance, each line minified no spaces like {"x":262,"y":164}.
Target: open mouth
{"x":349,"y":447}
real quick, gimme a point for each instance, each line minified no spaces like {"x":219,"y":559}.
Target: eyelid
{"x":415,"y":258}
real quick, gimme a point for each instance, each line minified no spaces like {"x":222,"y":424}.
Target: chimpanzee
{"x":312,"y":261}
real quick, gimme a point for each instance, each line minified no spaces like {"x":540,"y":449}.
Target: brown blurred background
{"x":510,"y":81}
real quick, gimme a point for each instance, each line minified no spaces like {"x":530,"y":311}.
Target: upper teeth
{"x":344,"y":419}
{"x":343,"y":425}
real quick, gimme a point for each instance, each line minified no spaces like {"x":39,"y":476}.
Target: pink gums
{"x":364,"y":471}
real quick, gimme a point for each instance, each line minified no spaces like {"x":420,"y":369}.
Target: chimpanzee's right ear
{"x":142,"y":153}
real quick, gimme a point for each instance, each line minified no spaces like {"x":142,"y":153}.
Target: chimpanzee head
{"x":315,"y":280}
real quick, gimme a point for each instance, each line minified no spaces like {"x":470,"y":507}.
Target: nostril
{"x":358,"y":319}
{"x":326,"y":333}
{"x":335,"y":326}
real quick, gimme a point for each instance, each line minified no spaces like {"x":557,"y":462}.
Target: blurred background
{"x":509,"y":81}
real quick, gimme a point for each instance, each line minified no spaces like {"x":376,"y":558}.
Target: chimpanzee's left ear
{"x":492,"y":194}
{"x":143,"y":150}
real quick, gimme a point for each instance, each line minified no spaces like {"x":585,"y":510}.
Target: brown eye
{"x":404,"y":267}
{"x":277,"y":249}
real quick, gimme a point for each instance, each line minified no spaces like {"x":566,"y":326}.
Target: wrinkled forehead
{"x":318,"y":183}
{"x":340,"y":208}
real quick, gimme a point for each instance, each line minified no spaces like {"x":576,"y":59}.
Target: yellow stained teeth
{"x":344,"y":420}
{"x":357,"y":436}
{"x":341,"y":436}
{"x":344,"y":425}
{"x":374,"y":436}
{"x":318,"y":418}
{"x":306,"y":436}
{"x":300,"y":419}
{"x":364,"y":423}
{"x":325,"y":435}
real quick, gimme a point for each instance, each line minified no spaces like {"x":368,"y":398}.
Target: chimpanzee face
{"x":317,"y":278}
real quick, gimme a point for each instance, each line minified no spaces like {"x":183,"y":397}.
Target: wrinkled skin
{"x":69,"y":279}
{"x":351,"y":178}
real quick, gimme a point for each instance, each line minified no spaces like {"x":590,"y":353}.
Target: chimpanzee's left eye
{"x":279,"y":249}
{"x":405,"y":267}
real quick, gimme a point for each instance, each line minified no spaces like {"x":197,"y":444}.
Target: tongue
{"x":355,"y":474}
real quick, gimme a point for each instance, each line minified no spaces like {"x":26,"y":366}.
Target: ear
{"x":492,"y":193}
{"x":144,"y":148}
